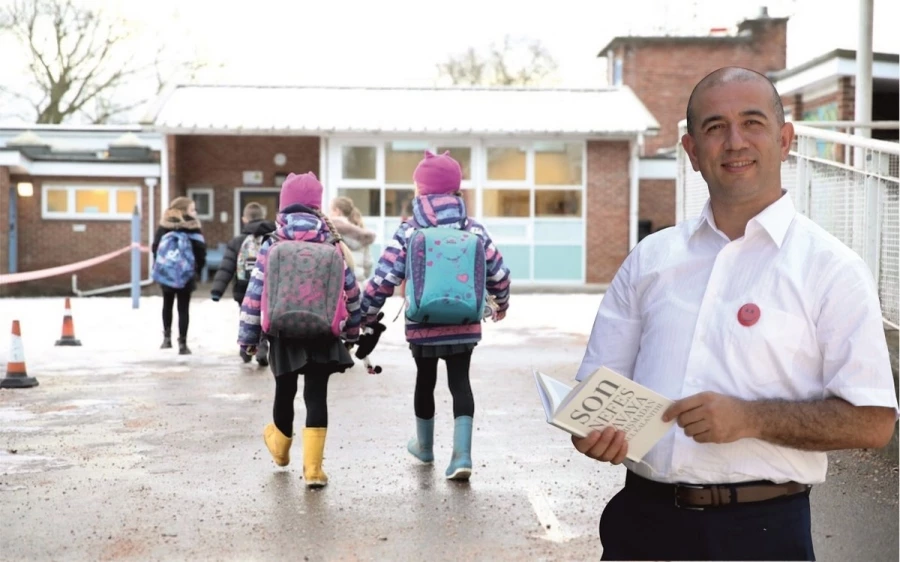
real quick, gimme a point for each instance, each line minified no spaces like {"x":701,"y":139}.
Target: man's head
{"x":253,"y":212}
{"x":737,"y":137}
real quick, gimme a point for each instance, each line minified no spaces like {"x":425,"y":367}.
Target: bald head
{"x":727,"y":75}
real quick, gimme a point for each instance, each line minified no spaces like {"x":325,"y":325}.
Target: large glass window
{"x":507,"y":202}
{"x":398,"y":202}
{"x":558,"y":163}
{"x":358,"y":162}
{"x":557,"y":203}
{"x":88,"y":201}
{"x":506,"y":163}
{"x":401,"y":159}
{"x":367,"y":200}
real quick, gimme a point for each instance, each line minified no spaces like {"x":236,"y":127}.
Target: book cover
{"x":605,"y":399}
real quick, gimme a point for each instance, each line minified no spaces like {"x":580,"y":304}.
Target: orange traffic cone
{"x":16,"y":377}
{"x":68,"y":328}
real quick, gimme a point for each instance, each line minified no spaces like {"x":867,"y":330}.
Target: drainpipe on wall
{"x":634,"y":190}
{"x":164,"y":184}
{"x":151,"y":223}
{"x":13,"y":229}
{"x":862,"y":111}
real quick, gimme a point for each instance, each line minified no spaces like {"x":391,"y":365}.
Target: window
{"x":507,"y":202}
{"x":358,"y":162}
{"x":557,"y":203}
{"x":401,"y":159}
{"x":87,"y":201}
{"x":558,"y":163}
{"x":398,"y":202}
{"x":368,"y":201}
{"x":506,"y":163}
{"x":203,"y":200}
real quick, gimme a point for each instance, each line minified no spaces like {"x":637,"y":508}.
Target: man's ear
{"x":687,"y":141}
{"x":787,"y":138}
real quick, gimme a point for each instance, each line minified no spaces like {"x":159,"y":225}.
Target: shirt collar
{"x":774,"y":219}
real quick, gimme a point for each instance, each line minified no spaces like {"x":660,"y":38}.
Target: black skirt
{"x":440,"y":350}
{"x":289,"y":356}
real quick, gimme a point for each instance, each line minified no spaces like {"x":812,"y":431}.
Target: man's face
{"x":737,"y":143}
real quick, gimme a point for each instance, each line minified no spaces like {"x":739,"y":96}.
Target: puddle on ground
{"x":18,"y":463}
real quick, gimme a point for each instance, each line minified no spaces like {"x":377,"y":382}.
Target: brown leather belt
{"x":691,"y":496}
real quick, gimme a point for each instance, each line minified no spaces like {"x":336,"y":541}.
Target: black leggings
{"x":457,"y":380}
{"x":315,"y":395}
{"x":184,"y":306}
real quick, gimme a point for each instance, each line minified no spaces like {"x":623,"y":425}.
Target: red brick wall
{"x":657,"y":203}
{"x":663,"y":74}
{"x":607,"y":209}
{"x":219,"y":161}
{"x":4,"y":221}
{"x":46,"y":243}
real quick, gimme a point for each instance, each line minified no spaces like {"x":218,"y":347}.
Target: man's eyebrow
{"x":745,"y":113}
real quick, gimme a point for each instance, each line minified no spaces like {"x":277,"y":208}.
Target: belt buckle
{"x":691,"y":507}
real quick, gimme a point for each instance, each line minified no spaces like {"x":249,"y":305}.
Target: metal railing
{"x":859,"y":204}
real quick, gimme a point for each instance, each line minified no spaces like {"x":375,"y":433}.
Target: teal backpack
{"x":445,"y":276}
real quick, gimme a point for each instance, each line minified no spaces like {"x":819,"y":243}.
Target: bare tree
{"x":78,"y":61}
{"x":510,"y":63}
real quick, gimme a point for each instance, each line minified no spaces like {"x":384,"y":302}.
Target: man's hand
{"x":710,"y":417}
{"x":608,"y":445}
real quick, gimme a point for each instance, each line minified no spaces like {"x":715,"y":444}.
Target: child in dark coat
{"x":237,"y":266}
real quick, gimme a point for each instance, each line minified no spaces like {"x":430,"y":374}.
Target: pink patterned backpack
{"x":303,"y":292}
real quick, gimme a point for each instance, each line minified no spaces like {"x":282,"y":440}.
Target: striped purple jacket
{"x":302,"y":227}
{"x":434,"y":210}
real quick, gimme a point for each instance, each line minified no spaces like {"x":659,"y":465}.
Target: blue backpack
{"x":175,"y":265}
{"x":445,"y":276}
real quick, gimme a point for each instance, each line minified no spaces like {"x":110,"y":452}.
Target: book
{"x":604,"y":399}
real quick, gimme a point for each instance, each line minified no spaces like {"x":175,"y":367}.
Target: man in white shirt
{"x":767,"y":332}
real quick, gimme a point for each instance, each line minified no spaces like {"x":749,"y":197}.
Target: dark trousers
{"x":183,"y":296}
{"x":638,"y":525}
{"x":315,"y":397}
{"x":457,"y":380}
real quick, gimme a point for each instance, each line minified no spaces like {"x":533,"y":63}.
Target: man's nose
{"x":735,"y":139}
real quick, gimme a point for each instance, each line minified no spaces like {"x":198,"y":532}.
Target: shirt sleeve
{"x":616,"y":335}
{"x":855,"y":362}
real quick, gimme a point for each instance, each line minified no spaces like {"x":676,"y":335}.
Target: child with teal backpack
{"x":452,"y":269}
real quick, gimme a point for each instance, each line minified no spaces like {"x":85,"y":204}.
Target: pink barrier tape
{"x":63,"y":269}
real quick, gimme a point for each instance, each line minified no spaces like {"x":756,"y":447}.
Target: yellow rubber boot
{"x":313,"y":450}
{"x":279,"y":445}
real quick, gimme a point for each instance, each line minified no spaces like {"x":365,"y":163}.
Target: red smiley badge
{"x":748,"y":314}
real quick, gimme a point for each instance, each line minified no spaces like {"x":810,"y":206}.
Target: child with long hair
{"x":176,"y":268}
{"x":308,"y":282}
{"x":348,"y":221}
{"x":438,"y":205}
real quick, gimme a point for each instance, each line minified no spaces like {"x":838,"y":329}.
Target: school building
{"x":566,"y":181}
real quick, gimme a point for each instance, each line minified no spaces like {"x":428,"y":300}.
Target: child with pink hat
{"x":436,"y":327}
{"x":308,"y":329}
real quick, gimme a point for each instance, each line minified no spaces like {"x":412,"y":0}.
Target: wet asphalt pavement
{"x":162,"y":459}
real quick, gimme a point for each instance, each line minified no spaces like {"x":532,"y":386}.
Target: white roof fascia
{"x":95,"y":169}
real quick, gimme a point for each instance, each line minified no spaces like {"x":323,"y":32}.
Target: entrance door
{"x":267,"y":197}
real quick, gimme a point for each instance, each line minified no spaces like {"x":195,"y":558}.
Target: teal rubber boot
{"x":461,"y":462}
{"x":422,"y":445}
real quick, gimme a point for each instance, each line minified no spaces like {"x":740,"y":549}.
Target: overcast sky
{"x":399,"y":42}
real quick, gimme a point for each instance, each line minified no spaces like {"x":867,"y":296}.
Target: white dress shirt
{"x":670,"y":322}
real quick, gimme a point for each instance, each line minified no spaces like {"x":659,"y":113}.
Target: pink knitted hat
{"x":304,"y":189}
{"x":437,"y":174}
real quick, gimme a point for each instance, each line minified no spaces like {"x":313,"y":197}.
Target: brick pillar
{"x":798,"y":107}
{"x":607,"y":208}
